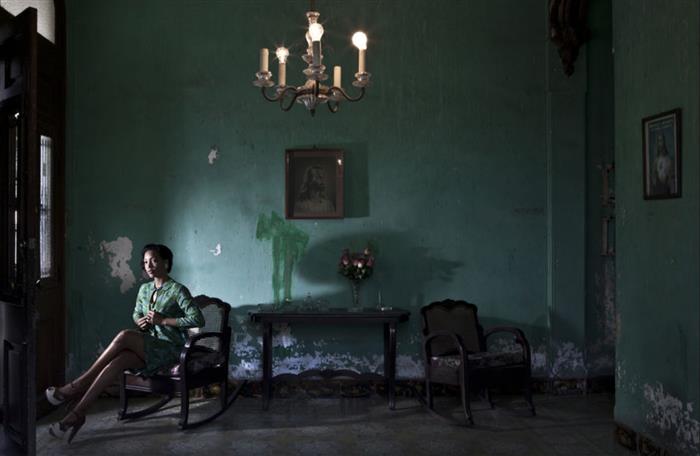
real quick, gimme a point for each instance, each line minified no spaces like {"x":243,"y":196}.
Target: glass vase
{"x":355,"y":295}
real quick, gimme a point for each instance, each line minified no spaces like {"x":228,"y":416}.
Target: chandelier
{"x":313,"y":93}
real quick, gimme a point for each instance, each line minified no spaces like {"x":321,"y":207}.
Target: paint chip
{"x":118,"y":254}
{"x":213,"y":154}
{"x":216,"y":251}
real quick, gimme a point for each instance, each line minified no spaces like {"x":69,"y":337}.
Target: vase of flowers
{"x":356,"y":266}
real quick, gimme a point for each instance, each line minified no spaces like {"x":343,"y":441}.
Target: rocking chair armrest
{"x":205,"y":335}
{"x":190,"y":346}
{"x":519,"y":337}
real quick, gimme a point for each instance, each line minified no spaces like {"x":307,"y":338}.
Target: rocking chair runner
{"x":455,"y":350}
{"x":203,"y":361}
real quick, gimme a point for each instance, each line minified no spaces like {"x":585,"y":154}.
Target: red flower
{"x":357,"y":265}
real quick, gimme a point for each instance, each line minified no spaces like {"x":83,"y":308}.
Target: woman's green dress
{"x":163,"y":344}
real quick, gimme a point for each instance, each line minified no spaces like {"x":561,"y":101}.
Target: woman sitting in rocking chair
{"x":164,"y":310}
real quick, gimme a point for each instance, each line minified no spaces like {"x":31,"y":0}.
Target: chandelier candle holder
{"x":313,"y":93}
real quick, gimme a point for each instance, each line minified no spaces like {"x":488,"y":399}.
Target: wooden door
{"x":50,"y":308}
{"x":31,"y":227}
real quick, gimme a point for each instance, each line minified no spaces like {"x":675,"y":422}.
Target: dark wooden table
{"x":388,"y":318}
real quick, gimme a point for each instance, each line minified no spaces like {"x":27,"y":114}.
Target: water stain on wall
{"x":288,"y":246}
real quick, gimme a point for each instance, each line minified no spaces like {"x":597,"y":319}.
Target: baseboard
{"x":409,"y":387}
{"x":635,"y":441}
{"x":573,"y":386}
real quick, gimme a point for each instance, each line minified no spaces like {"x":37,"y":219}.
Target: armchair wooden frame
{"x":201,"y":364}
{"x":458,"y":355}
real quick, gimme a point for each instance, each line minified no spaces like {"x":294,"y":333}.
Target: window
{"x":45,"y":208}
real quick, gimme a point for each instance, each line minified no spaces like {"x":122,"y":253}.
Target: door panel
{"x":32,"y":311}
{"x":20,"y":152}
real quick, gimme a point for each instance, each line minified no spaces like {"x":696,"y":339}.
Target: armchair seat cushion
{"x":479,"y":360}
{"x":198,"y":361}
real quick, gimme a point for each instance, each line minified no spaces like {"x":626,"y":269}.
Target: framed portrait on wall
{"x":313,"y":183}
{"x":661,"y":136}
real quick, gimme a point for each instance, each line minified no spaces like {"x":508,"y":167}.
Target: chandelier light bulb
{"x":359,"y":39}
{"x":282,"y":54}
{"x":315,"y":31}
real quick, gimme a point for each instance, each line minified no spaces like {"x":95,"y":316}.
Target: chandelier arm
{"x":295,"y":95}
{"x":345,"y":94}
{"x":289,"y":106}
{"x":263,"y":90}
{"x":280,"y":95}
{"x":333,"y":107}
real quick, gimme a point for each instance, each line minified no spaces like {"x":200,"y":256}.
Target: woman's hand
{"x":142,"y":323}
{"x":155,"y":318}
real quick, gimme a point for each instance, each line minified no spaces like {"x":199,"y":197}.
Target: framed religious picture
{"x":313,"y":183}
{"x":661,"y":136}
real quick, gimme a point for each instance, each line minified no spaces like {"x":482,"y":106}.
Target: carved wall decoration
{"x":568,"y":29}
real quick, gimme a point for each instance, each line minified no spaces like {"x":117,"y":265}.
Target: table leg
{"x":390,"y":362}
{"x":267,"y":365}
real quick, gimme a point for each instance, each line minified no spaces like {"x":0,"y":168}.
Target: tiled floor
{"x":564,"y":425}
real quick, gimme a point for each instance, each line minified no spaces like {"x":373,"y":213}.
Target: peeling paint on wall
{"x":118,"y":253}
{"x":283,"y":337}
{"x":408,"y":367}
{"x":668,"y":414}
{"x":623,"y":381}
{"x":607,"y":318}
{"x":567,"y":361}
{"x":294,"y":355}
{"x":504,"y":344}
{"x":539,"y":360}
{"x":288,"y":245}
{"x":319,"y":360}
{"x":216,"y":251}
{"x":601,"y":350}
{"x":213,"y":154}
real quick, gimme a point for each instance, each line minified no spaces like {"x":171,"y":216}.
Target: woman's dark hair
{"x":162,"y":250}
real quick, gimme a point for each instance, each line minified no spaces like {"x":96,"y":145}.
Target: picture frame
{"x":314,"y":183}
{"x":661,"y":155}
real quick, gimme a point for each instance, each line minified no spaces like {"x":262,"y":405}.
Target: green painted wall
{"x":600,"y":270}
{"x":657,"y":69}
{"x":465,"y":165}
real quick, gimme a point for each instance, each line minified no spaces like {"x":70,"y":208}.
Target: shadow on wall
{"x":401,"y":273}
{"x":403,"y":270}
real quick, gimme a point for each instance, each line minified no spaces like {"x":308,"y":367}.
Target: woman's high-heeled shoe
{"x":61,"y":429}
{"x":53,"y":398}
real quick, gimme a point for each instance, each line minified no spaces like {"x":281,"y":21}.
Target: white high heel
{"x":54,"y":399}
{"x":51,"y":396}
{"x":60,"y":431}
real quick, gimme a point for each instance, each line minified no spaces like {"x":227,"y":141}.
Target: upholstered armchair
{"x":456,"y":353}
